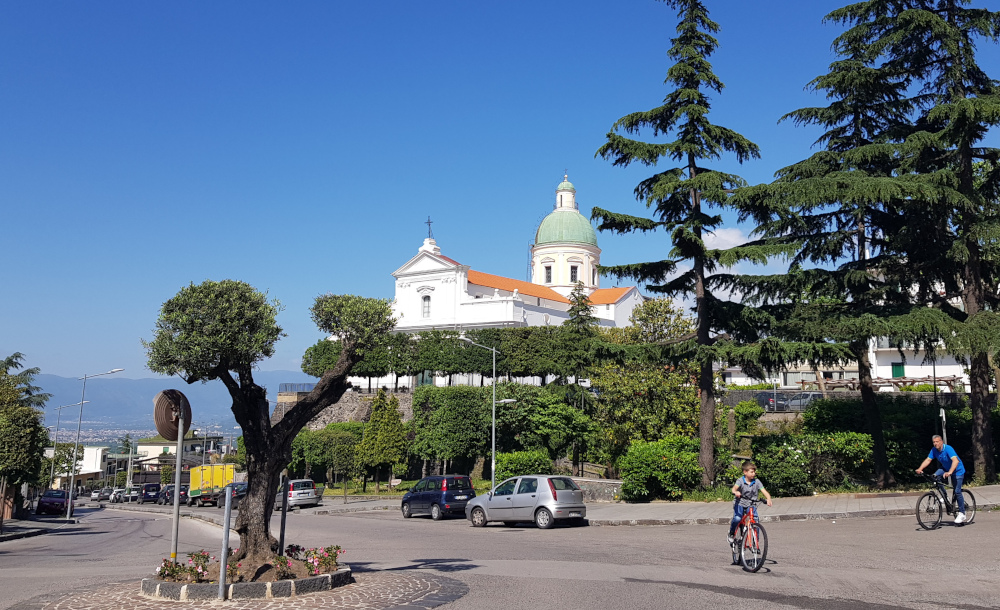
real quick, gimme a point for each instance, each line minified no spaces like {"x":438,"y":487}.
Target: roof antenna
{"x":430,"y":235}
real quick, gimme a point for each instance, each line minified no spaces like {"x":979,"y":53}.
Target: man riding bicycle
{"x":950,"y":465}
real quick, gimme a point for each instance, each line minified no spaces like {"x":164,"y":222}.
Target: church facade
{"x":436,"y":292}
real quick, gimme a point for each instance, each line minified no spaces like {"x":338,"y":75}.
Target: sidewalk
{"x":14,"y":529}
{"x":826,"y":506}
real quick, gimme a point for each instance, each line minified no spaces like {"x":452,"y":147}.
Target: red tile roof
{"x":608,"y":296}
{"x":504,"y":283}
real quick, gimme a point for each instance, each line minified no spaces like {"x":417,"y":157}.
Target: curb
{"x":24,"y":534}
{"x":158,"y":589}
{"x":862,"y":514}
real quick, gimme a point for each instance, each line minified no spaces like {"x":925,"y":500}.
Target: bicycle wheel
{"x":970,"y":505}
{"x":754,"y":548}
{"x":929,"y":511}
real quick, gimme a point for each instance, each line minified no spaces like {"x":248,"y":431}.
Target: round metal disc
{"x":165,"y":406}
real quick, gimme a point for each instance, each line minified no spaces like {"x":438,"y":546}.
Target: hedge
{"x":798,"y":465}
{"x":660,"y":469}
{"x":519,"y":463}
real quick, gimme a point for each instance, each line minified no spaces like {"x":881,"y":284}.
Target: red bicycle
{"x":750,"y":543}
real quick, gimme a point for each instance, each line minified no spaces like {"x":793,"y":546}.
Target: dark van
{"x":149,"y":492}
{"x":438,"y":496}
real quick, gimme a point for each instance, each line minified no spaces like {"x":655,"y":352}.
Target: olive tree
{"x":220,"y":331}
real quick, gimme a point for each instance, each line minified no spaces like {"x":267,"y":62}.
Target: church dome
{"x":565,"y":226}
{"x":566,"y":185}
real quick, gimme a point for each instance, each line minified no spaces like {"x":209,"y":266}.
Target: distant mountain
{"x":128,"y":403}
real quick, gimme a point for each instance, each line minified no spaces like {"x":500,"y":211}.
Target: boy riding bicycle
{"x":746,"y":489}
{"x":950,"y":465}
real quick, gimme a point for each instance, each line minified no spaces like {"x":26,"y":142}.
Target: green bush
{"x":659,"y":469}
{"x":747,"y":413}
{"x":518,"y":463}
{"x":751,"y":386}
{"x":920,"y":387}
{"x":908,"y":422}
{"x":801,"y":464}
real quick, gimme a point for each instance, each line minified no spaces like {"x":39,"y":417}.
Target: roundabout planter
{"x":179,"y":591}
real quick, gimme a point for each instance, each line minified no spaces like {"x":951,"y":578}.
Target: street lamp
{"x":55,"y":439}
{"x":231,"y":439}
{"x":79,"y":424}
{"x":493,"y":450}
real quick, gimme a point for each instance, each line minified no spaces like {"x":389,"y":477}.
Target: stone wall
{"x":352,"y":406}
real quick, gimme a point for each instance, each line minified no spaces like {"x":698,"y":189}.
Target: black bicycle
{"x":934,"y":504}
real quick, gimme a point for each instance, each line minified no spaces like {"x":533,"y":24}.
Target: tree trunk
{"x":873,"y":418}
{"x":982,"y":426}
{"x":706,"y":426}
{"x":423,"y":468}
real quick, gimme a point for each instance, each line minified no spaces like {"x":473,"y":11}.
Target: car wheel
{"x":406,"y":510}
{"x":478,"y":517}
{"x":543,"y":519}
{"x":141,"y":501}
{"x":436,"y":513}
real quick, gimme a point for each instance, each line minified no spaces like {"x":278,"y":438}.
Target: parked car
{"x":238,"y":490}
{"x":149,"y":492}
{"x":131,"y":494}
{"x":301,"y":492}
{"x":95,"y":495}
{"x":542,"y":498}
{"x":772,"y":401}
{"x":52,"y":502}
{"x":117,"y":495}
{"x":438,"y":496}
{"x":104,"y":494}
{"x":166,"y":495}
{"x":802,"y":400}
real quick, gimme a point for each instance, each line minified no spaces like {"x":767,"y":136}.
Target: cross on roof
{"x":428,"y":223}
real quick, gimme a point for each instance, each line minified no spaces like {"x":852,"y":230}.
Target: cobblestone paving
{"x":375,"y":590}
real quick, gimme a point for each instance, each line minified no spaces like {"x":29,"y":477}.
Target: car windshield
{"x":54,"y":493}
{"x":459,"y":483}
{"x":564,"y":484}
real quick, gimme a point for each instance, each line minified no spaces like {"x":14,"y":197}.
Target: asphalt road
{"x":816,"y":565}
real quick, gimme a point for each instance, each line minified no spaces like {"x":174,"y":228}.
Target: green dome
{"x":565,"y":226}
{"x":565,"y":185}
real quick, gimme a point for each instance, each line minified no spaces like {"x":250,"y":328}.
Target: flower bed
{"x":299,"y":570}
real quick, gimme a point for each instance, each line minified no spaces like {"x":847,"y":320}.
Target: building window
{"x":593,"y":275}
{"x":898,"y":369}
{"x":573,"y":274}
{"x":426,"y":309}
{"x":548,"y":275}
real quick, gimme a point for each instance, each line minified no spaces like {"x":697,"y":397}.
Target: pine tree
{"x":682,"y":198}
{"x":836,"y":209}
{"x":384,"y":441}
{"x":952,"y":222}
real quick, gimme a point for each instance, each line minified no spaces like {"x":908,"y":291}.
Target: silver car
{"x":542,"y":498}
{"x":301,"y":492}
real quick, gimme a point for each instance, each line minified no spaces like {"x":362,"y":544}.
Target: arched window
{"x":426,"y":307}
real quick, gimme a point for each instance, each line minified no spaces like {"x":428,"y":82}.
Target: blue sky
{"x":300,"y":146}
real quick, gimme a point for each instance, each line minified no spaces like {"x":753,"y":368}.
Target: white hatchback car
{"x":542,"y":498}
{"x":301,"y":492}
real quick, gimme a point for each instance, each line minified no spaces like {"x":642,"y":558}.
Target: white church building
{"x":436,"y":292}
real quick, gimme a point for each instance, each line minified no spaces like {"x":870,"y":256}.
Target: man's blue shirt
{"x":943,"y":456}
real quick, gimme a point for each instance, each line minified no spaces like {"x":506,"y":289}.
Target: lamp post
{"x":79,"y":424}
{"x":493,"y":449}
{"x":231,"y":439}
{"x":55,"y":439}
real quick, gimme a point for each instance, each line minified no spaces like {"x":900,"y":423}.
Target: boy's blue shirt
{"x":943,"y":456}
